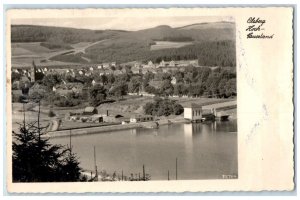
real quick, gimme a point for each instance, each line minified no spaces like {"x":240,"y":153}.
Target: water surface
{"x":203,"y":150}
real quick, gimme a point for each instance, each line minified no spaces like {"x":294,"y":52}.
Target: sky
{"x":128,"y":23}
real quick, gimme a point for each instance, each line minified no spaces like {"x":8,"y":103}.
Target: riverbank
{"x":91,"y":130}
{"x":109,"y":128}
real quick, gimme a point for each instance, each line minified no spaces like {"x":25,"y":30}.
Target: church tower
{"x":33,"y":72}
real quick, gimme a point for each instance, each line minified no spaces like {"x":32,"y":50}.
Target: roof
{"x":89,"y":109}
{"x":221,"y":105}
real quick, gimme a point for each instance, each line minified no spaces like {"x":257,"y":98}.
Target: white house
{"x":105,"y":65}
{"x":162,"y":63}
{"x":173,"y":81}
{"x":193,"y":112}
{"x":172,"y":63}
{"x":149,"y":65}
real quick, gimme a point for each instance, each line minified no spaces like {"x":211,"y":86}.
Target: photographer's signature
{"x":256,"y":29}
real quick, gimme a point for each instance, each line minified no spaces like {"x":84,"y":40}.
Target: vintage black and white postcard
{"x":149,"y":100}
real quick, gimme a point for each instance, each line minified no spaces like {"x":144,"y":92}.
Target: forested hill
{"x":30,"y":33}
{"x":213,"y":44}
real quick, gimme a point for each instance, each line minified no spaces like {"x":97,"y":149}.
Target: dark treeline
{"x":163,"y":107}
{"x":28,"y":33}
{"x":213,"y":53}
{"x":55,"y":45}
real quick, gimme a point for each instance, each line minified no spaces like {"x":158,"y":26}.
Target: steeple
{"x":33,"y":71}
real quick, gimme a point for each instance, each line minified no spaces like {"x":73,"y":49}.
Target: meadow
{"x":168,"y":44}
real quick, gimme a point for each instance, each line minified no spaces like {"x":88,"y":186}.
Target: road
{"x":73,"y":51}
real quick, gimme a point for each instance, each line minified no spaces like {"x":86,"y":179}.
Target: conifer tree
{"x":35,"y":159}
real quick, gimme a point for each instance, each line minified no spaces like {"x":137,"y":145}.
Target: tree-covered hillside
{"x":213,"y":44}
{"x":28,"y":33}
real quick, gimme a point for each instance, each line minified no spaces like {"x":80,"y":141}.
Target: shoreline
{"x":108,"y":128}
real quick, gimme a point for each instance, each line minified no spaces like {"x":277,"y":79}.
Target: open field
{"x":24,"y":53}
{"x":33,"y":47}
{"x":167,"y":45}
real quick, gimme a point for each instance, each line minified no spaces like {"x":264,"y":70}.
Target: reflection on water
{"x":204,"y":150}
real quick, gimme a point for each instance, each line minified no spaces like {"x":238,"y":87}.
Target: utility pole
{"x":176,"y":168}
{"x":70,"y":141}
{"x":39,"y":130}
{"x":144,"y":173}
{"x":24,"y":115}
{"x":96,"y":175}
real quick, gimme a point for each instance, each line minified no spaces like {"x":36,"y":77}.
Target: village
{"x":122,"y":109}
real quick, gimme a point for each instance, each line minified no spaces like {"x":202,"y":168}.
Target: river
{"x":203,"y":150}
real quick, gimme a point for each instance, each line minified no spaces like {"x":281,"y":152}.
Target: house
{"x":162,"y":64}
{"x":136,"y":70}
{"x":172,"y":63}
{"x":90,"y":111}
{"x":112,"y":118}
{"x":173,"y":81}
{"x":194,"y":62}
{"x":96,"y":118}
{"x":193,"y":112}
{"x":105,"y":65}
{"x":137,"y":64}
{"x":113,"y":64}
{"x":149,"y":65}
{"x":88,"y":74}
{"x":140,"y":118}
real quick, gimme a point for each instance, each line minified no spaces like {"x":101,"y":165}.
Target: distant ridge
{"x":218,"y":25}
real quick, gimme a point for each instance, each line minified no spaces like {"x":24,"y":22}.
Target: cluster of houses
{"x":163,"y":66}
{"x":91,"y":114}
{"x":106,"y":68}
